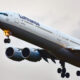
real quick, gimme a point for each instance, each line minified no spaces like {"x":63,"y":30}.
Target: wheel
{"x":67,"y":75}
{"x":64,"y":70}
{"x":78,"y":73}
{"x":62,"y":75}
{"x":59,"y":70}
{"x":6,"y":40}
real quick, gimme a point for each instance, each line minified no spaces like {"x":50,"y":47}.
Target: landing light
{"x":7,"y":32}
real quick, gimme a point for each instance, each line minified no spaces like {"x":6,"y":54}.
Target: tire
{"x":62,"y":75}
{"x":78,"y":73}
{"x":64,"y":70}
{"x":6,"y":40}
{"x":67,"y":75}
{"x":59,"y":70}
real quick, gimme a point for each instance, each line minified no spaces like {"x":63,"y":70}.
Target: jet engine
{"x":14,"y":54}
{"x":31,"y":54}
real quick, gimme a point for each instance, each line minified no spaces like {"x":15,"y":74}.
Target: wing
{"x":74,"y":50}
{"x":30,"y":54}
{"x":74,"y":47}
{"x":46,"y":55}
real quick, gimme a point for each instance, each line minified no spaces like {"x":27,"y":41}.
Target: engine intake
{"x":26,"y":52}
{"x":14,"y":54}
{"x":31,"y":54}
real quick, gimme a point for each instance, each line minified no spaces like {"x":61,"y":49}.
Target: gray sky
{"x":61,"y":14}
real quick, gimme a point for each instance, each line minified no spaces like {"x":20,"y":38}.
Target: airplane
{"x":55,"y":45}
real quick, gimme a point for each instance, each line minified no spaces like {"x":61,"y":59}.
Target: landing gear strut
{"x":7,"y":34}
{"x":63,"y":70}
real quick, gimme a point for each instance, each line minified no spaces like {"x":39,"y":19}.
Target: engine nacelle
{"x":14,"y":54}
{"x":31,"y":54}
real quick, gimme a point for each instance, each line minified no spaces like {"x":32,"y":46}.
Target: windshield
{"x":5,"y":14}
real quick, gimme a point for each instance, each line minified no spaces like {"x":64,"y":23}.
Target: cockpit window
{"x":5,"y":14}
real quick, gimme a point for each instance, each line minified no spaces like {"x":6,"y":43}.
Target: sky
{"x":63,"y":15}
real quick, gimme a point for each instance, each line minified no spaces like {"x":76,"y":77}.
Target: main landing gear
{"x":78,"y":73}
{"x":7,"y":34}
{"x":63,"y":70}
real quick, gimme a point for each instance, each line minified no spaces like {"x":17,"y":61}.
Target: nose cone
{"x":3,"y":16}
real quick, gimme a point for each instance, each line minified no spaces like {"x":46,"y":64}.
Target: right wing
{"x":30,"y":54}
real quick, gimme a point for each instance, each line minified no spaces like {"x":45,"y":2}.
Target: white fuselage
{"x":41,"y":35}
{"x":43,"y":31}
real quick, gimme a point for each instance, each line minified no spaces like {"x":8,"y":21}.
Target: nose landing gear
{"x":7,"y":34}
{"x":7,"y":40}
